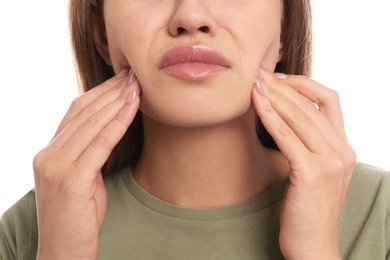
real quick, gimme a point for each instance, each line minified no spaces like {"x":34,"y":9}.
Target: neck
{"x":208,"y":166}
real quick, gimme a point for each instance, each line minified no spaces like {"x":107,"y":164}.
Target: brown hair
{"x":92,"y":70}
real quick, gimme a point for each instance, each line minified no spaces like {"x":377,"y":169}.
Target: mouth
{"x":193,"y":62}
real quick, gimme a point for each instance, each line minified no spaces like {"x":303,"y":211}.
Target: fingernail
{"x":280,"y":75}
{"x":132,"y":78}
{"x":258,"y":82}
{"x":131,"y":97}
{"x":263,"y":66}
{"x":123,"y":73}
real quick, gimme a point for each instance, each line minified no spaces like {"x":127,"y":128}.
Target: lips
{"x":193,"y":62}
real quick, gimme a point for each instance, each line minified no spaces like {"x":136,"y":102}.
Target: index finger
{"x":81,"y":102}
{"x":325,"y":98}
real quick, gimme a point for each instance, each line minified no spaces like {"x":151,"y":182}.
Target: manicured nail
{"x":132,"y":78}
{"x":131,"y":97}
{"x":259,"y":84}
{"x":123,"y":73}
{"x":280,"y":75}
{"x":263,"y":66}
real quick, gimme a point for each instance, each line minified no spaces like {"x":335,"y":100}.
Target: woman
{"x":225,"y":158}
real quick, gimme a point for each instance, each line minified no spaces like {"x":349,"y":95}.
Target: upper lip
{"x":193,"y":54}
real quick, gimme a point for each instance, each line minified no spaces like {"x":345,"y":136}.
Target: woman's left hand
{"x":313,"y":140}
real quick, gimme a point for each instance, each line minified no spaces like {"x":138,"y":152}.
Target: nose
{"x":192,"y":17}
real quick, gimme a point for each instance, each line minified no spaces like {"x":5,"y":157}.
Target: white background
{"x":351,"y":54}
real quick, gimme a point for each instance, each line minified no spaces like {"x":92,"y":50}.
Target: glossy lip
{"x":193,"y":62}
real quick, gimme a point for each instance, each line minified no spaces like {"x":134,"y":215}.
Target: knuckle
{"x":101,"y":143}
{"x":46,"y":171}
{"x":38,"y":161}
{"x":310,"y":107}
{"x":86,"y":111}
{"x":90,"y":123}
{"x":338,"y":164}
{"x":332,"y":95}
{"x":331,"y":169}
{"x":75,"y":105}
{"x":273,"y":87}
{"x":351,"y":157}
{"x":342,"y":164}
{"x":119,"y":119}
{"x":122,"y":97}
{"x":118,"y":87}
{"x":298,"y":115}
{"x":267,"y":108}
{"x":285,"y":131}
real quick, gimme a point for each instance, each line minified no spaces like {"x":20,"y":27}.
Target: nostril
{"x":204,"y":29}
{"x":180,"y":30}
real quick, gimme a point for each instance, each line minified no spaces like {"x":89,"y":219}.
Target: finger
{"x":283,"y":135}
{"x":96,"y":154}
{"x":88,"y":132}
{"x":87,"y":98}
{"x":308,"y":123}
{"x":122,"y":88}
{"x":327,"y":99}
{"x":324,"y":125}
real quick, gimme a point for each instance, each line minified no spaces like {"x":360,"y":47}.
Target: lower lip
{"x":194,"y":70}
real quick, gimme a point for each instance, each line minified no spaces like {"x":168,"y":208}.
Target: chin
{"x":193,"y":116}
{"x":205,"y":103}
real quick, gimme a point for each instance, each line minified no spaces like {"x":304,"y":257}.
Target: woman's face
{"x":196,"y":60}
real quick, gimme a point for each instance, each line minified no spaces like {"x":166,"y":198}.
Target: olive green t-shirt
{"x":140,"y":226}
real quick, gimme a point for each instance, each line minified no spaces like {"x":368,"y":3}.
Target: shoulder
{"x":369,"y":181}
{"x":369,"y":172}
{"x":18,"y":229}
{"x":369,"y":187}
{"x":364,"y":227}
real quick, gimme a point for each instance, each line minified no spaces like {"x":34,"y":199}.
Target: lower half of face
{"x":196,"y":62}
{"x":212,"y":101}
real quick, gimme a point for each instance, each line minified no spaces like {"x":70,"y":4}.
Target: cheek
{"x":264,"y":44}
{"x":258,"y":32}
{"x":123,"y":40}
{"x":136,"y":39}
{"x":131,"y":34}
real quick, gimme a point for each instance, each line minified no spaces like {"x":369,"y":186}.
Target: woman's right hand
{"x":71,"y":197}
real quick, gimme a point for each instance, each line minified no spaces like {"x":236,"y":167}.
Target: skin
{"x":192,"y":104}
{"x":321,"y":161}
{"x":212,"y":120}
